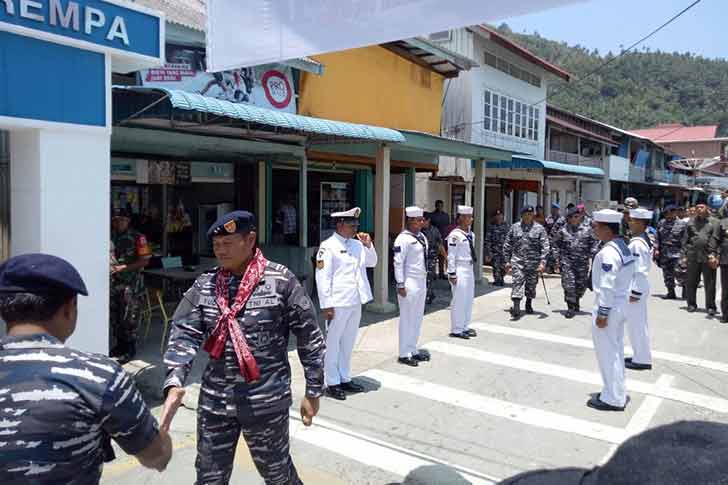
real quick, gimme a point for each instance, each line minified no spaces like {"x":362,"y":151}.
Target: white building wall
{"x":428,"y":191}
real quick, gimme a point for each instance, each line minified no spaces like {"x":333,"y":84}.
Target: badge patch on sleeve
{"x":320,"y":264}
{"x":606,"y":267}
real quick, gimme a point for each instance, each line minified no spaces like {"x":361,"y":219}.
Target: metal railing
{"x":573,"y":159}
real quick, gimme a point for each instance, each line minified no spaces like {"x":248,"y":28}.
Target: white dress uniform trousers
{"x":637,"y":325}
{"x":460,"y":264}
{"x":612,"y":272}
{"x":342,"y":283}
{"x":410,"y":273}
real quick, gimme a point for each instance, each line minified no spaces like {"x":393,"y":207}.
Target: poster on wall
{"x":334,"y":198}
{"x":268,"y":86}
{"x":161,"y":172}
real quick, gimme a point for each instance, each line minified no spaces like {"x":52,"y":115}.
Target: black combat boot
{"x":577,"y":307}
{"x":671,"y":294}
{"x":529,"y":308}
{"x":571,"y":312}
{"x":516,"y":309}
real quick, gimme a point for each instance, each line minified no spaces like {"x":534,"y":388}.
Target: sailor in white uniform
{"x":460,"y":261}
{"x":343,"y":287}
{"x":410,"y":273}
{"x":612,"y":272}
{"x":639,"y":334}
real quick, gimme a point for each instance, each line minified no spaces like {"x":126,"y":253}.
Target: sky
{"x":608,"y":24}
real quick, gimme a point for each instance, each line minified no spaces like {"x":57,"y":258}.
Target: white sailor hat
{"x":465,"y":210}
{"x":414,"y":211}
{"x":350,"y":214}
{"x":640,"y":214}
{"x":608,"y":216}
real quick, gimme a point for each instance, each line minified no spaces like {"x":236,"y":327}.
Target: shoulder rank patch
{"x":607,"y":267}
{"x":397,"y":249}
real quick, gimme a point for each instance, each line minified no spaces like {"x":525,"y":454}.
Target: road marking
{"x":588,"y":344}
{"x":641,"y":419}
{"x":373,"y":452}
{"x":497,"y":407}
{"x":586,"y":377}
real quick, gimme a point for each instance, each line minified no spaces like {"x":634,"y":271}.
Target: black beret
{"x":573,"y":211}
{"x":40,"y":273}
{"x":236,"y":222}
{"x":528,"y":208}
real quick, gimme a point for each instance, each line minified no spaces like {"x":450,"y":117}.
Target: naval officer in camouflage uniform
{"x":549,"y":225}
{"x":525,"y":250}
{"x":574,"y":246}
{"x":244,"y":312}
{"x":495,"y":237}
{"x":667,"y":252}
{"x":131,"y":256}
{"x":60,"y":407}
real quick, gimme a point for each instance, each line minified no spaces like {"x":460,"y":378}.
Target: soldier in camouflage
{"x":525,"y":251}
{"x":61,"y":407}
{"x":132,"y":255}
{"x":435,"y":248}
{"x":244,"y":311}
{"x":549,"y":225}
{"x":667,"y":251}
{"x":574,"y":247}
{"x":495,"y":237}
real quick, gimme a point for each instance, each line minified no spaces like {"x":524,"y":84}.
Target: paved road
{"x":512,"y":399}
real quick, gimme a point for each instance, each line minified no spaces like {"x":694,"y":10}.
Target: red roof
{"x":507,"y":43}
{"x":677,"y":132}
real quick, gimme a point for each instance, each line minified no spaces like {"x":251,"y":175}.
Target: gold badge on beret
{"x":230,"y":227}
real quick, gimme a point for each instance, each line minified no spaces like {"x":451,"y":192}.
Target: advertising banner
{"x":268,"y":86}
{"x":256,"y":32}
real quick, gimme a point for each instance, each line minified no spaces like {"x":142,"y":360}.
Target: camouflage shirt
{"x":129,"y":247}
{"x":495,"y":237}
{"x":278,"y":307}
{"x":669,"y":238}
{"x":58,"y":406}
{"x":526,"y":244}
{"x":575,"y":244}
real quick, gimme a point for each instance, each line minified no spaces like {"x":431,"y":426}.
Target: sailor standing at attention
{"x":410,"y":273}
{"x":612,"y":272}
{"x":460,"y":261}
{"x":343,"y":287}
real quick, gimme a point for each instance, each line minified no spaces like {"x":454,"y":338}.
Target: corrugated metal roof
{"x":526,"y":163}
{"x":196,"y":102}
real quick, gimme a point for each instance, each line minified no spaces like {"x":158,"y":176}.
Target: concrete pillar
{"x":262,"y":204}
{"x":60,"y":205}
{"x":381,"y":302}
{"x":479,"y":213}
{"x":303,"y":202}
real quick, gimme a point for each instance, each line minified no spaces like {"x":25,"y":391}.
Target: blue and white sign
{"x":121,"y":29}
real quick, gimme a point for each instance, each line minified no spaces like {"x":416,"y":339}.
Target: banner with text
{"x":268,"y":86}
{"x":262,"y":31}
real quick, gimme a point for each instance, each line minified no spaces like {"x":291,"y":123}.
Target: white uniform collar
{"x":341,"y":238}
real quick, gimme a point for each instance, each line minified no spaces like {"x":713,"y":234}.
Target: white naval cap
{"x":608,"y":216}
{"x":414,"y":211}
{"x":640,"y":214}
{"x":350,"y":214}
{"x":465,"y":210}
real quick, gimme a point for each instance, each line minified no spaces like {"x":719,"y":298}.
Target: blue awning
{"x":187,"y":101}
{"x":528,"y":163}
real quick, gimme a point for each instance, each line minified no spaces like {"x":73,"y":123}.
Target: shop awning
{"x":437,"y":145}
{"x":529,"y":163}
{"x":142,"y":104}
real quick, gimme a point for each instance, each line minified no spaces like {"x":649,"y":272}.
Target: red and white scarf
{"x":228,"y":324}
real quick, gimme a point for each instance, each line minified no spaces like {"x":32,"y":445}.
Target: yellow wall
{"x":373,"y":86}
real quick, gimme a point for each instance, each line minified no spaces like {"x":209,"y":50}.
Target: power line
{"x":601,"y":66}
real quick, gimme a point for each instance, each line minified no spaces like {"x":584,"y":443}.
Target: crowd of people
{"x":64,"y":406}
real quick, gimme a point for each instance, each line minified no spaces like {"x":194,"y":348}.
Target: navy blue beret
{"x":40,"y":273}
{"x":555,"y":206}
{"x":528,"y":208}
{"x":236,"y":222}
{"x":670,"y":208}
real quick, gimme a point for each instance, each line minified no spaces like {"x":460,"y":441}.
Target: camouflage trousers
{"x":525,"y":279}
{"x":125,"y":307}
{"x":499,"y":267}
{"x":574,"y":280}
{"x":681,"y":273}
{"x":431,"y":276}
{"x":267,"y":439}
{"x":550,"y":262}
{"x":670,"y":272}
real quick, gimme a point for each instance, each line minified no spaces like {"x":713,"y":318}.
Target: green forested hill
{"x":638,"y":90}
